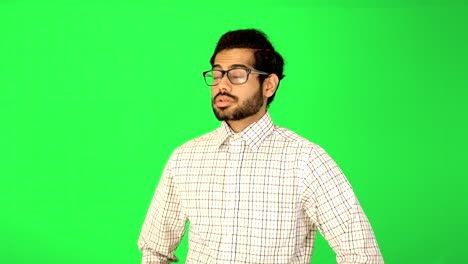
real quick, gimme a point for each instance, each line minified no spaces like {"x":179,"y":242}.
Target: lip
{"x":223,"y":101}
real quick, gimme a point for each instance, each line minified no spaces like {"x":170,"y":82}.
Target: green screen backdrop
{"x":95,"y":96}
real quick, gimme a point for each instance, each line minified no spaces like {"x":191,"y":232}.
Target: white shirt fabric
{"x":257,"y":196}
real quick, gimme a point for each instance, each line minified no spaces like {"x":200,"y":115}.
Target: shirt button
{"x":236,"y":136}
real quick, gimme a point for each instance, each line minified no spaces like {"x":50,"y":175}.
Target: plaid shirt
{"x":257,"y":196}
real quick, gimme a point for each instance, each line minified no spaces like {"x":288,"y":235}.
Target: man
{"x":252,"y":191}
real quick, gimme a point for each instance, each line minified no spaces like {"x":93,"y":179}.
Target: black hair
{"x":267,"y":59}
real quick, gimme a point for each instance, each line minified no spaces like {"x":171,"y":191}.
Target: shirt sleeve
{"x":333,"y":207}
{"x":164,"y":224}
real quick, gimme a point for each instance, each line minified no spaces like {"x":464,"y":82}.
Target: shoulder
{"x":202,"y":142}
{"x":309,"y":150}
{"x":282,"y":134}
{"x":318,"y":167}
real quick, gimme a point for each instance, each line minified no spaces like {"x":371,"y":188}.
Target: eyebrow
{"x":232,"y":66}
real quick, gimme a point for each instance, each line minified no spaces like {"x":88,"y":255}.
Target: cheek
{"x":214,"y":92}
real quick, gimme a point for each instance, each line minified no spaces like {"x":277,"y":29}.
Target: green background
{"x":95,"y":96}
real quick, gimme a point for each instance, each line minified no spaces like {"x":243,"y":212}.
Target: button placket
{"x":236,"y":148}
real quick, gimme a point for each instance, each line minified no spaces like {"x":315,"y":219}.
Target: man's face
{"x":236,"y":101}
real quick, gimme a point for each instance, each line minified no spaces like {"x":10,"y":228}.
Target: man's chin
{"x":221,"y":115}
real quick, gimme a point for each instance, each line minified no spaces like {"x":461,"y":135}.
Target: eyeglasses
{"x":235,"y":75}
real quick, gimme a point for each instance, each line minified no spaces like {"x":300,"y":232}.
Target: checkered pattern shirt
{"x":257,"y":196}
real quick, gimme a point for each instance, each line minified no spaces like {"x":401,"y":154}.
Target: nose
{"x":224,"y":85}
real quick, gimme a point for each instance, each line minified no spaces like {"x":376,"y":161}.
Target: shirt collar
{"x":253,"y":135}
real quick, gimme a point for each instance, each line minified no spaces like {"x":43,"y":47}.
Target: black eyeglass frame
{"x":248,"y":71}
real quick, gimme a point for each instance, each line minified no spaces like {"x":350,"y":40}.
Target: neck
{"x":239,"y":125}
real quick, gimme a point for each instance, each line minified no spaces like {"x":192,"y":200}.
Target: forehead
{"x":227,"y":58}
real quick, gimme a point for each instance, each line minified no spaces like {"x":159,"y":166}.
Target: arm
{"x":333,"y":207}
{"x":164,"y":225}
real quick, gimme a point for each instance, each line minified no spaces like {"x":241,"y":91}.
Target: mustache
{"x":225,"y":94}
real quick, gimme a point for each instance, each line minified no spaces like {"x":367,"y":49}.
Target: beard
{"x":244,"y":109}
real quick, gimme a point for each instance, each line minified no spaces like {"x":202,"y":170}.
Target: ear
{"x":270,"y":84}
